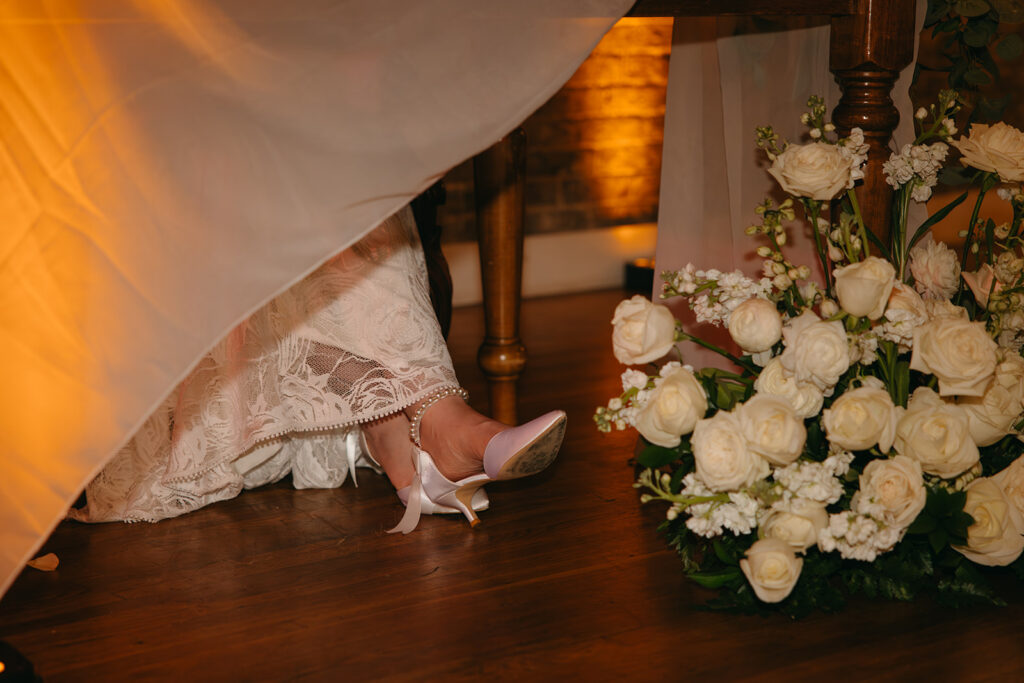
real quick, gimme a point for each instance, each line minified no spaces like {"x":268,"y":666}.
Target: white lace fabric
{"x":355,"y":340}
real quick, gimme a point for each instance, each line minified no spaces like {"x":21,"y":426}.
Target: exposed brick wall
{"x":594,"y":149}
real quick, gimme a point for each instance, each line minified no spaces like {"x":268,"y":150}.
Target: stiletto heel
{"x":431,"y":490}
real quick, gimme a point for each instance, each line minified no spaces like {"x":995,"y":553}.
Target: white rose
{"x":997,"y":149}
{"x":898,"y":486}
{"x":995,"y":539}
{"x":863,"y":288}
{"x":1011,"y":481}
{"x":643,"y":331}
{"x":755,"y":325}
{"x":723,"y":461}
{"x":672,"y":409}
{"x":904,"y":312}
{"x":991,"y":416}
{"x":981,"y":282}
{"x":935,"y":434}
{"x":817,"y":170}
{"x":862,"y":418}
{"x":935,"y":268}
{"x":805,"y":398}
{"x":772,"y":429}
{"x":797,"y":522}
{"x":816,"y":351}
{"x":772,"y":569}
{"x":960,"y":353}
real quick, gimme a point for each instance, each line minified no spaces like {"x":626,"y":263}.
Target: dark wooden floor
{"x":565,"y":578}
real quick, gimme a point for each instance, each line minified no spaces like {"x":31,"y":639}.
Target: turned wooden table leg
{"x":868,"y":50}
{"x":498,"y":178}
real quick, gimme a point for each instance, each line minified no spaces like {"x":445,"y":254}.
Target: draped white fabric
{"x":167,"y":166}
{"x":726,"y":77}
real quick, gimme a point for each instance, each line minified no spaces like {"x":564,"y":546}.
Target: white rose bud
{"x":816,"y":351}
{"x":797,"y":522}
{"x":772,"y":429}
{"x":672,"y":409}
{"x":805,"y":398}
{"x":935,"y":434}
{"x":863,"y":288}
{"x":898,"y":486}
{"x":817,"y":170}
{"x":992,"y":415}
{"x":772,"y":569}
{"x":997,"y":149}
{"x":755,"y":325}
{"x":723,"y":461}
{"x":828,"y":308}
{"x":960,"y":353}
{"x":862,"y":418}
{"x":995,"y":539}
{"x":642,"y":332}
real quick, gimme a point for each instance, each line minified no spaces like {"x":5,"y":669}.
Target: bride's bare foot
{"x":455,"y":435}
{"x":388,"y":442}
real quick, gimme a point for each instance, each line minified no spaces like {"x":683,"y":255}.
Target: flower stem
{"x":986,"y":184}
{"x":746,"y":365}
{"x":855,"y":205}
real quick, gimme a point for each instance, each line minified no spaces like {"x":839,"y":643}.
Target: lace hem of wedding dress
{"x":285,"y":391}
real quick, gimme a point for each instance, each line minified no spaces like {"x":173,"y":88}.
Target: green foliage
{"x":943,"y":521}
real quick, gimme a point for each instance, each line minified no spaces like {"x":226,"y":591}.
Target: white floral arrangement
{"x":867,"y":437}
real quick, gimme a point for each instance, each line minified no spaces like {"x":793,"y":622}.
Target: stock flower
{"x":817,"y":170}
{"x":643,"y":331}
{"x":772,"y":429}
{"x":755,"y":325}
{"x":960,"y":353}
{"x":935,"y":268}
{"x":862,"y":418}
{"x":672,"y":409}
{"x":991,"y":416}
{"x":772,"y":569}
{"x":995,"y":539}
{"x":723,"y":461}
{"x":816,"y":351}
{"x":895,"y":484}
{"x":935,"y":433}
{"x":796,"y":521}
{"x":997,"y":149}
{"x":775,"y":380}
{"x":863,"y":288}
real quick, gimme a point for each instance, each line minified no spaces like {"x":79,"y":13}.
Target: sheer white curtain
{"x":167,"y":166}
{"x":727,"y":76}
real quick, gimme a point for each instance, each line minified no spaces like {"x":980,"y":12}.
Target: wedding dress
{"x":285,"y":391}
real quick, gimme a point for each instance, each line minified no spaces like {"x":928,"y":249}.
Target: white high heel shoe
{"x":431,"y":491}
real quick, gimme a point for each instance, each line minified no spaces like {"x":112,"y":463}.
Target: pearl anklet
{"x":429,"y":400}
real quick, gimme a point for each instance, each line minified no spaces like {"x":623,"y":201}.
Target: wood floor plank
{"x":565,"y":578}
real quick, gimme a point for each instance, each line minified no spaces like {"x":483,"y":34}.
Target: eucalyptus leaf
{"x":972,"y":8}
{"x":937,"y":9}
{"x":977,"y":76}
{"x":1010,"y":11}
{"x":979,"y":33}
{"x":1010,"y":47}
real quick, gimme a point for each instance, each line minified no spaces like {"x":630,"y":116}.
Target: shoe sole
{"x":536,"y":455}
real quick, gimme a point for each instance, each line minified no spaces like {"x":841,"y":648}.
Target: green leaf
{"x":1010,"y":47}
{"x":977,"y":76}
{"x":722,"y":553}
{"x":1009,"y":11}
{"x":972,"y":8}
{"x":979,"y":33}
{"x":924,"y":524}
{"x":935,"y":218}
{"x":937,"y":9}
{"x":657,"y":456}
{"x":937,"y":539}
{"x":675,"y":484}
{"x":955,"y":175}
{"x":715,"y":579}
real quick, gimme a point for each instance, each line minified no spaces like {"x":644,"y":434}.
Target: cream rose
{"x":898,"y":486}
{"x":995,"y":539}
{"x":672,"y":409}
{"x":817,"y":170}
{"x":755,"y":325}
{"x":904,"y":312}
{"x":935,"y":268}
{"x":797,"y":522}
{"x":642,"y":332}
{"x":772,"y":569}
{"x":991,"y":416}
{"x":982,"y":282}
{"x":805,"y":398}
{"x":997,"y":149}
{"x":935,"y":434}
{"x":816,"y":351}
{"x":862,"y":418}
{"x":772,"y":429}
{"x":863,"y":288}
{"x":960,"y":353}
{"x":723,"y":461}
{"x":1011,"y":481}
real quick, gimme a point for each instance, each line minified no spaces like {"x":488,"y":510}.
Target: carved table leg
{"x":498,"y":177}
{"x":868,"y":50}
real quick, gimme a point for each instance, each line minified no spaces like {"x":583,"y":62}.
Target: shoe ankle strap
{"x":429,"y":400}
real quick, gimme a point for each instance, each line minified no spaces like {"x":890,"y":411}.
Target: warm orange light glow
{"x":3,"y":667}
